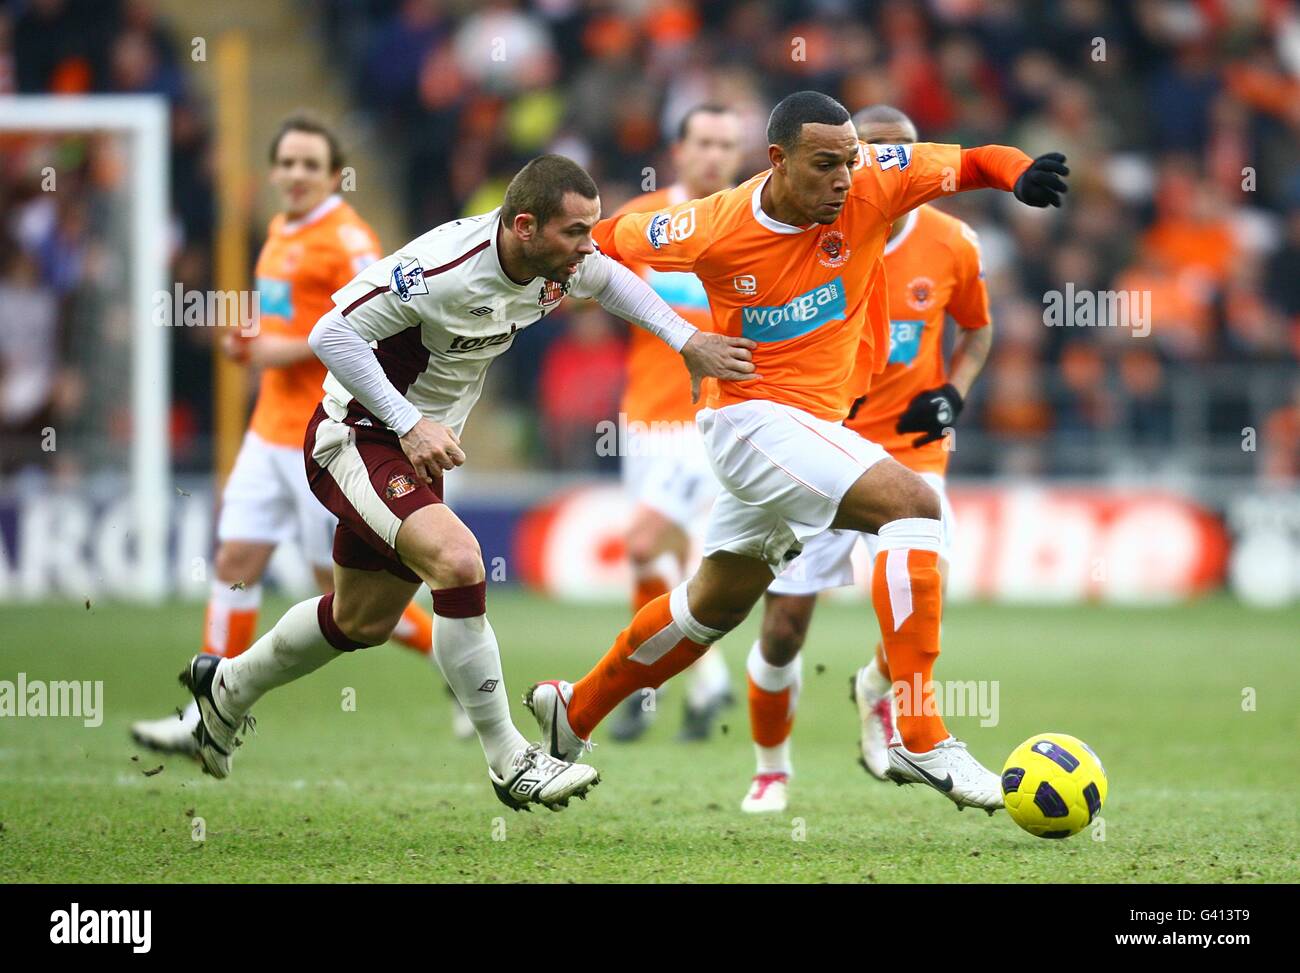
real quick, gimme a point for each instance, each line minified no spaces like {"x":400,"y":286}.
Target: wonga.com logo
{"x":807,"y":312}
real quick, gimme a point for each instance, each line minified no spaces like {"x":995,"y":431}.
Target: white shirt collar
{"x":765,"y":221}
{"x":909,"y":222}
{"x":322,"y":209}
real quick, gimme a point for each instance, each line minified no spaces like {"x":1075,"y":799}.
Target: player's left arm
{"x":914,"y":174}
{"x":933,"y":411}
{"x":623,"y":293}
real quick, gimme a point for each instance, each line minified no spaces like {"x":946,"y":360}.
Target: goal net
{"x":85,"y":479}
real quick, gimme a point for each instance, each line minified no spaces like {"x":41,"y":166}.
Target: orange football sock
{"x":662,"y":640}
{"x":415,"y":629}
{"x":906,"y":591}
{"x":230,"y":620}
{"x":771,"y":715}
{"x":646,"y":590}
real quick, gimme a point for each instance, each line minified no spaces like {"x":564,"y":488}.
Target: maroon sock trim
{"x":468,"y":601}
{"x":330,"y":628}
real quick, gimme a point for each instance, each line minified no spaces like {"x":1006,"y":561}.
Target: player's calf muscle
{"x":368,"y":604}
{"x":725,"y":588}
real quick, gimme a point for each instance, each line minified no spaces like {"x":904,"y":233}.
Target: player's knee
{"x":234,"y":563}
{"x":641,"y":546}
{"x":457,"y":565}
{"x":783,"y":634}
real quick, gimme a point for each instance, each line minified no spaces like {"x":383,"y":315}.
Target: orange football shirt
{"x":931,"y":267}
{"x":302,"y":264}
{"x":658,"y":386}
{"x":807,"y":295}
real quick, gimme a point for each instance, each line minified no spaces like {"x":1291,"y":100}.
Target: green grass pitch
{"x":1202,"y":788}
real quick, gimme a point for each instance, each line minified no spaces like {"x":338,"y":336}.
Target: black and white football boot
{"x":537,"y":778}
{"x":216,"y":734}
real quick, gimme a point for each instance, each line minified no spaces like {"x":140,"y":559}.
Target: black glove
{"x":1041,"y":184}
{"x":931,"y":412}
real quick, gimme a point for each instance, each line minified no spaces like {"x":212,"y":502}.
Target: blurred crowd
{"x":1180,"y":118}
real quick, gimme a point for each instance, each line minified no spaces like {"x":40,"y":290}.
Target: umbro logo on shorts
{"x":489,"y":685}
{"x":478,"y":312}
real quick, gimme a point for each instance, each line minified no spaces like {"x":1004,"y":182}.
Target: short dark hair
{"x":309,"y":123}
{"x":882,"y":115}
{"x":802,"y":108}
{"x":708,"y":108}
{"x":539,"y":187}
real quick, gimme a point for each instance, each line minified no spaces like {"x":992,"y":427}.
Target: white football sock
{"x":877,"y":681}
{"x":774,"y":760}
{"x":294,"y":647}
{"x":708,"y":679}
{"x":466,"y":652}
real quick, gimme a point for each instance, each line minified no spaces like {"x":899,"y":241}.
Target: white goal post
{"x":144,"y":121}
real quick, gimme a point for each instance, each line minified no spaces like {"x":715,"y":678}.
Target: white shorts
{"x":783,"y":473}
{"x":267,"y":500}
{"x":669,"y":472}
{"x":827,"y":559}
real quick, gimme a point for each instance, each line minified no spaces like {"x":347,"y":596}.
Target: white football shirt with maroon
{"x":439,"y":310}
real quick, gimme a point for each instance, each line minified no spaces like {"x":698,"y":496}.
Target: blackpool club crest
{"x":834,"y":252}
{"x":920,"y":293}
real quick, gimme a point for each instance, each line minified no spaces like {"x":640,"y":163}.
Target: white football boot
{"x":767,"y":793}
{"x":171,"y":734}
{"x":216,"y":734}
{"x":876,"y":719}
{"x":951,"y":770}
{"x":549,"y":703}
{"x":535,"y":778}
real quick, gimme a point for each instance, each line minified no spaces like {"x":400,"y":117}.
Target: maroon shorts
{"x":363,"y":478}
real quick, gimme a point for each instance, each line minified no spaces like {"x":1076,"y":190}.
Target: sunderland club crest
{"x":399,"y":485}
{"x":551,"y":293}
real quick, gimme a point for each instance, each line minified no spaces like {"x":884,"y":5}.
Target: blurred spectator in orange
{"x":1192,"y":230}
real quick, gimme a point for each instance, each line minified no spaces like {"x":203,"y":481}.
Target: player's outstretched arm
{"x":908,"y":176}
{"x":1037,"y":182}
{"x":706,"y":354}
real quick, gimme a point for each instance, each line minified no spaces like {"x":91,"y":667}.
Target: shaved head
{"x":884,"y":125}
